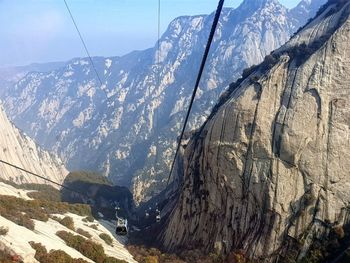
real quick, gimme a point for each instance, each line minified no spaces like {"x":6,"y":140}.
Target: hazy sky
{"x":41,"y":30}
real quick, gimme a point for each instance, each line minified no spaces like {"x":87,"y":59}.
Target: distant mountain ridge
{"x":128,"y":127}
{"x":10,"y":75}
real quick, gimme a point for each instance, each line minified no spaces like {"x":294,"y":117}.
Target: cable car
{"x":158,"y":216}
{"x":121,"y":227}
{"x":121,"y":224}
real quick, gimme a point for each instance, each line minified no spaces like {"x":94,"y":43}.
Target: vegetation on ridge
{"x":22,"y":211}
{"x":67,"y":221}
{"x":87,"y":247}
{"x":54,"y":256}
{"x":40,"y":191}
{"x":106,"y":238}
{"x":87,"y":177}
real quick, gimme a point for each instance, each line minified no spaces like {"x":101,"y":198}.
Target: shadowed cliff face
{"x":271,"y":165}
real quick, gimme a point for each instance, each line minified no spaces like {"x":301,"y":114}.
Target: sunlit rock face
{"x":127,"y":128}
{"x":271,"y":164}
{"x":20,"y":150}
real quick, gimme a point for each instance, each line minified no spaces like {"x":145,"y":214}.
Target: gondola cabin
{"x":157,"y":216}
{"x":121,"y":227}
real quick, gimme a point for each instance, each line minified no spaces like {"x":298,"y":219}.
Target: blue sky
{"x":41,"y":30}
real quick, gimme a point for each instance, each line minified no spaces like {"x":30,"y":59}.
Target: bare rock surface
{"x":271,"y":164}
{"x":20,"y":150}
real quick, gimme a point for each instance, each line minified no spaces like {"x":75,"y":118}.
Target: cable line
{"x":157,"y":72}
{"x":83,"y":42}
{"x":42,"y":177}
{"x":205,"y":56}
{"x":158,"y":53}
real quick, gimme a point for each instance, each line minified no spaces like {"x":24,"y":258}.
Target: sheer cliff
{"x":18,"y":149}
{"x":271,"y":164}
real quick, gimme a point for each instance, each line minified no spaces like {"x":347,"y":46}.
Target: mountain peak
{"x":305,"y":9}
{"x":250,"y":6}
{"x":257,"y":4}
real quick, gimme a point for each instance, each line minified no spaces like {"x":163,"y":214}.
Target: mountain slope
{"x":269,"y":170}
{"x":9,"y":76}
{"x":128,"y":127}
{"x":17,"y":238}
{"x":20,"y":150}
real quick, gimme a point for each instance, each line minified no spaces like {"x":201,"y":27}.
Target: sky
{"x":42,"y":31}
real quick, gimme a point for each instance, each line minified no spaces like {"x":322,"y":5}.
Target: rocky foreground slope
{"x":36,"y":231}
{"x":18,"y":149}
{"x":271,"y":165}
{"x":127,"y":128}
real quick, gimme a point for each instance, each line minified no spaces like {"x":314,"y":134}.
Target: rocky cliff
{"x":271,"y":165}
{"x":20,"y":150}
{"x":9,"y":76}
{"x":127,"y":128}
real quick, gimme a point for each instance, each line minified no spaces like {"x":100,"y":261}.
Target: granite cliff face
{"x":271,"y":164}
{"x":18,"y":149}
{"x":127,"y":128}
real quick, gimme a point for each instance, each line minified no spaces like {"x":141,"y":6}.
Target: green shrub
{"x":18,"y":218}
{"x":151,"y":259}
{"x":68,"y":222}
{"x":142,"y":254}
{"x":13,"y":205}
{"x":94,"y":226}
{"x":106,"y":238}
{"x":88,"y":177}
{"x":3,"y":230}
{"x":48,"y":194}
{"x":43,"y":191}
{"x":63,"y":207}
{"x":84,"y":233}
{"x":25,"y":221}
{"x":5,"y":257}
{"x":89,"y":219}
{"x":54,"y":256}
{"x":86,"y":247}
{"x":39,"y":209}
{"x":22,"y":211}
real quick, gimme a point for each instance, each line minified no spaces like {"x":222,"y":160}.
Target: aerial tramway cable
{"x":158,"y":53}
{"x":42,"y":177}
{"x":205,"y":56}
{"x":83,"y":42}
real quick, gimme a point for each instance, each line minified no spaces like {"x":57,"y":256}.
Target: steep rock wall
{"x":272,"y":163}
{"x":18,"y":149}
